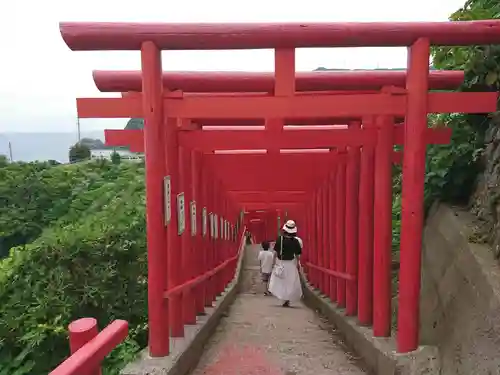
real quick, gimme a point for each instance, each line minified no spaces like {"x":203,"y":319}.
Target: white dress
{"x":287,"y":287}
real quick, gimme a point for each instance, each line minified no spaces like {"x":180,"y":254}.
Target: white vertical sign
{"x":167,"y":196}
{"x":181,"y":214}
{"x":211,"y":222}
{"x":216,"y":224}
{"x":193,"y":218}
{"x":221,"y":228}
{"x":204,"y":222}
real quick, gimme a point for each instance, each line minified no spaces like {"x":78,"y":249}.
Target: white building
{"x":125,"y":155}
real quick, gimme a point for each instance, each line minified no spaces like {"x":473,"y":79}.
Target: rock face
{"x":485,"y":201}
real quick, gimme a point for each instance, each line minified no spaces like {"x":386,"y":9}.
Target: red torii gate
{"x":224,"y":82}
{"x":414,"y":103}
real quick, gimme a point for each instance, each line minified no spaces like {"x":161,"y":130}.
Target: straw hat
{"x":290,"y":227}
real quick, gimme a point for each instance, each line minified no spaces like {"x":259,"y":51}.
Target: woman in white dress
{"x":285,"y":281}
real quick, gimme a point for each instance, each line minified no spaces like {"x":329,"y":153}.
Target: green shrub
{"x":452,"y":169}
{"x":91,"y":261}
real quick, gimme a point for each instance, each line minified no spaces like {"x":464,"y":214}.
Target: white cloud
{"x":41,"y":77}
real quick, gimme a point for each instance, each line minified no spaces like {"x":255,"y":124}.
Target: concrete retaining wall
{"x":460,"y":299}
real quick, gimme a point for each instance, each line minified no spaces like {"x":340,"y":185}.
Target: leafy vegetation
{"x":79,"y":152}
{"x":116,"y":158}
{"x":80,"y":231}
{"x":452,"y":169}
{"x":134,"y":124}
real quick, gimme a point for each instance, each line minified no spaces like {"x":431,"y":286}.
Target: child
{"x":266,"y":259}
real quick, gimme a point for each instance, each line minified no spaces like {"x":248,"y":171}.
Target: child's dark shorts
{"x":265,"y":277}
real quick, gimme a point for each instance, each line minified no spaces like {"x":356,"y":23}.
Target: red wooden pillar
{"x":314,"y":243}
{"x":412,"y":199}
{"x":227,"y":246}
{"x":206,"y":233}
{"x":382,"y":240}
{"x":365,"y":261}
{"x":152,"y":97}
{"x":173,"y":238}
{"x":340,"y":227}
{"x":305,"y":251}
{"x":196,"y":229}
{"x":220,"y":246}
{"x":183,"y":204}
{"x":211,"y":289}
{"x":82,"y":331}
{"x":213,"y":245}
{"x":332,"y":213}
{"x":310,"y":243}
{"x":351,"y":222}
{"x":326,"y":235}
{"x":319,"y":239}
{"x":279,"y":222}
{"x":217,"y":254}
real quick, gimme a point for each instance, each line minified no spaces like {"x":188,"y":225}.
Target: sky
{"x":41,"y":77}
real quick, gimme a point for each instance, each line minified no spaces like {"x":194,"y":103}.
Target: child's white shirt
{"x":266,"y":260}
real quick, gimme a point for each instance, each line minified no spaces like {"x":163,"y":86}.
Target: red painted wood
{"x":326,"y":240}
{"x":338,"y":275}
{"x":174,"y":276}
{"x":365,"y":243}
{"x":208,"y":141}
{"x":186,"y":250}
{"x":340,"y":205}
{"x":81,"y":331}
{"x":382,"y":241}
{"x":271,"y":196}
{"x":155,"y":171}
{"x":320,"y":247}
{"x":95,"y":36}
{"x":204,"y":255}
{"x":314,"y":245}
{"x":412,"y":199}
{"x":264,"y":206}
{"x":196,"y":237}
{"x":216,"y":82}
{"x":88,"y":357}
{"x":299,"y":106}
{"x":332,"y":266}
{"x":351,"y":223}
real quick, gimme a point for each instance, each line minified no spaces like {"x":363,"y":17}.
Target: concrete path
{"x":261,"y":337}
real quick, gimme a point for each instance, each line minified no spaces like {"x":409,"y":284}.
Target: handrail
{"x":197,"y":280}
{"x":86,"y":359}
{"x":340,"y":275}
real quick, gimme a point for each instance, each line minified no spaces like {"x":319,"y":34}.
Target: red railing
{"x":223,"y":270}
{"x":89,"y":347}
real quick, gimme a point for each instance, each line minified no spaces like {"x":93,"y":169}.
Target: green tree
{"x":135,"y":123}
{"x":3,"y":160}
{"x":79,"y":152}
{"x":92,"y":143}
{"x":116,"y":158}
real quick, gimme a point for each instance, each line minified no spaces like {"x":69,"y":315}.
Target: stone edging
{"x":379,"y":354}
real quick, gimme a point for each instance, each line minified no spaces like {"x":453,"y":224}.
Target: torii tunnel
{"x":246,"y":150}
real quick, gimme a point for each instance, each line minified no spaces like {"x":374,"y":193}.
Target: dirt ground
{"x":260,"y":337}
